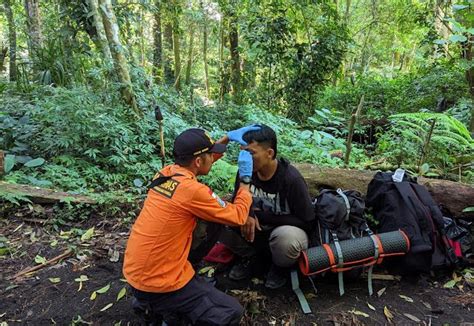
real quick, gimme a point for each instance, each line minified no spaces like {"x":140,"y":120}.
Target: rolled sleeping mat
{"x":356,"y":252}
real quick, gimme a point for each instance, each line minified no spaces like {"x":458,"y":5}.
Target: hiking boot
{"x":242,"y":270}
{"x":276,"y":277}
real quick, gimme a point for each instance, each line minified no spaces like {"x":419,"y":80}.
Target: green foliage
{"x":450,"y":143}
{"x":293,"y":55}
{"x":406,"y":93}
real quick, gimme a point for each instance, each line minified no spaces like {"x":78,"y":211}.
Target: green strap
{"x":376,"y":256}
{"x":295,"y":285}
{"x":369,"y":280}
{"x":340,"y":263}
{"x":346,"y":201}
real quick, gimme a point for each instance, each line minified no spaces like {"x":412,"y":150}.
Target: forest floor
{"x":62,"y":292}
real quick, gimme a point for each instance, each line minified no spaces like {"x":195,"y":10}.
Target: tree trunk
{"x":190,"y":56}
{"x":3,"y":55}
{"x":347,"y":12}
{"x":141,"y":38}
{"x":223,"y":67}
{"x":112,"y":31}
{"x":470,"y":76}
{"x":235,"y":58}
{"x":128,"y":40}
{"x":177,"y":54}
{"x":455,"y":196}
{"x":100,"y":39}
{"x":11,"y":39}
{"x":204,"y":52}
{"x":440,"y":27}
{"x":169,"y":73}
{"x":33,"y":22}
{"x":157,"y":44}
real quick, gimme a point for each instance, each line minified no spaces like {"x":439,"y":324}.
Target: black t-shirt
{"x":282,"y":200}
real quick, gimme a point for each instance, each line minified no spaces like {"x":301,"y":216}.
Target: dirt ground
{"x":55,"y":294}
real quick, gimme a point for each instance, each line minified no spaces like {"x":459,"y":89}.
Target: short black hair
{"x":183,"y":160}
{"x":264,"y":136}
{"x":186,"y":160}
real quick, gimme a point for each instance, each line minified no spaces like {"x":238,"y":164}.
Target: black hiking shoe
{"x":242,"y":269}
{"x":276,"y":277}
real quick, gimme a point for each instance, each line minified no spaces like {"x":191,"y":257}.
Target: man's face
{"x":261,"y":155}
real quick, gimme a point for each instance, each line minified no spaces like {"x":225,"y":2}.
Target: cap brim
{"x":218,"y":148}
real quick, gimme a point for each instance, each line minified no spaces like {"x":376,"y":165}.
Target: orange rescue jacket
{"x":156,"y":258}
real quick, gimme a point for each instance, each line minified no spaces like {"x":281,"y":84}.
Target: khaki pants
{"x":285,"y":243}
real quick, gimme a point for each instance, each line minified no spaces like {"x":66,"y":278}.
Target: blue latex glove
{"x":236,"y":135}
{"x":245,"y":164}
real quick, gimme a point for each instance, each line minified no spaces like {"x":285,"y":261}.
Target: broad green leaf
{"x":440,"y":42}
{"x":468,"y":209}
{"x":122,"y":293}
{"x":459,"y":7}
{"x":34,"y":163}
{"x":107,"y":307}
{"x":9,"y":163}
{"x":54,"y":279}
{"x":457,"y":38}
{"x":88,"y":234}
{"x":104,"y":289}
{"x":424,"y":168}
{"x":93,"y":296}
{"x":450,"y":284}
{"x":4,"y":251}
{"x":54,"y":243}
{"x":22,"y":159}
{"x":40,"y":260}
{"x":138,"y":183}
{"x":470,"y":31}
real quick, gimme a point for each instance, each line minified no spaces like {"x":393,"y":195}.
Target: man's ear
{"x":271,"y":152}
{"x":198,"y":161}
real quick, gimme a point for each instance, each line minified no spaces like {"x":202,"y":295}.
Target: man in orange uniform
{"x":156,"y":258}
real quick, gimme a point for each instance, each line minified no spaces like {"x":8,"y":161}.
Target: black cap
{"x":193,"y":142}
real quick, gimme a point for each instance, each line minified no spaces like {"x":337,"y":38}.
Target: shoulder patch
{"x":167,"y":188}
{"x":219,"y":200}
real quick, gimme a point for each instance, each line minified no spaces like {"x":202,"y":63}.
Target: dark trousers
{"x":198,"y":301}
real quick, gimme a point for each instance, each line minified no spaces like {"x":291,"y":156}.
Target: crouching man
{"x":156,"y":262}
{"x":281,"y":217}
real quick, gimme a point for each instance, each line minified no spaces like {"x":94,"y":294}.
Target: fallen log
{"x":43,"y":195}
{"x":454,"y":196}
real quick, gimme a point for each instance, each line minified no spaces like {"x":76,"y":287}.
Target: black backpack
{"x":408,"y":206}
{"x":340,"y":216}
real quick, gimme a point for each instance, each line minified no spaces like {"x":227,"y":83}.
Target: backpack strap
{"x":340,"y":262}
{"x":346,"y":201}
{"x":162,"y":179}
{"x":295,"y":285}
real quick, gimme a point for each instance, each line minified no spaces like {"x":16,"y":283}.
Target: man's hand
{"x":245,"y":164}
{"x":236,"y":135}
{"x":248,"y":229}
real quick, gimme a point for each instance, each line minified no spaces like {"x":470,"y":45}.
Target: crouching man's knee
{"x":286,"y":244}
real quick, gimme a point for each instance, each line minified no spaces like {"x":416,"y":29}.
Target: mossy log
{"x":453,"y":196}
{"x":43,"y":195}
